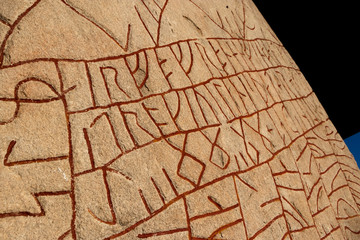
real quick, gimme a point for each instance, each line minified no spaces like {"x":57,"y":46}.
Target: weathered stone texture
{"x":163,"y":119}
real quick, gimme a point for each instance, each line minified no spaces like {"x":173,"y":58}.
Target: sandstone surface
{"x":163,"y":119}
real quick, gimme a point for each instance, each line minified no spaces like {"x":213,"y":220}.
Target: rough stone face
{"x":163,"y":119}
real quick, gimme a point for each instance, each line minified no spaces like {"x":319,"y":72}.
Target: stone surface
{"x":163,"y":119}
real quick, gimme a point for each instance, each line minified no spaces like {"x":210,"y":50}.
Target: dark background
{"x":321,"y":37}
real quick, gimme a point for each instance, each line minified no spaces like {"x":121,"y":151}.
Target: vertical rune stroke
{"x":216,"y":137}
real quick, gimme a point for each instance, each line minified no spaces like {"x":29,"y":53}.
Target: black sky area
{"x":322,"y":36}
